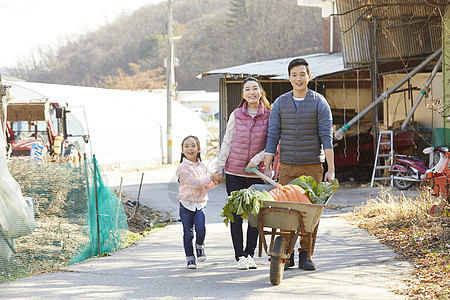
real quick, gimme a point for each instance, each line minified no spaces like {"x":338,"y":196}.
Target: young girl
{"x":243,"y":146}
{"x":194,"y":181}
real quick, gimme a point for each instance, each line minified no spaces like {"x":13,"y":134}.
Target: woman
{"x":243,"y":146}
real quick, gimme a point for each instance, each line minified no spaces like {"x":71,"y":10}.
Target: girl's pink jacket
{"x":194,"y":181}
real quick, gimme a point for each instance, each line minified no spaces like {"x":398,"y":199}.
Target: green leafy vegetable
{"x":243,"y":203}
{"x":318,"y":193}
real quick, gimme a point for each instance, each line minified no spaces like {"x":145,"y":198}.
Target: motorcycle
{"x":410,"y":170}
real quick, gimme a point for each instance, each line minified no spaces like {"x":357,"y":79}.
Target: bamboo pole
{"x":339,"y":134}
{"x":96,"y":206}
{"x":422,"y":93}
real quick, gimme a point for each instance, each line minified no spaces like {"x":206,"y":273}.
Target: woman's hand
{"x":251,"y":165}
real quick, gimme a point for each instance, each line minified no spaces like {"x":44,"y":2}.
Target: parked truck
{"x":41,"y":125}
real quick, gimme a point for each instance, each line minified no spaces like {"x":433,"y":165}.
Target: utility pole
{"x":373,"y":77}
{"x":170,"y":83}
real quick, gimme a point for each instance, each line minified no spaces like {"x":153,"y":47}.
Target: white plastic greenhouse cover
{"x":127,"y":129}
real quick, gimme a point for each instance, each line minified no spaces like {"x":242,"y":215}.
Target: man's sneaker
{"x":201,"y":256}
{"x":191,"y":264}
{"x":305,"y":263}
{"x":242,"y":263}
{"x":251,"y":263}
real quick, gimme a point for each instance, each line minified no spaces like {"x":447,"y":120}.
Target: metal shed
{"x":383,"y":31}
{"x":273,"y":75}
{"x":346,"y":89}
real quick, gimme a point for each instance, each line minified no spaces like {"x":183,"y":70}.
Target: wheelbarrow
{"x":284,"y":222}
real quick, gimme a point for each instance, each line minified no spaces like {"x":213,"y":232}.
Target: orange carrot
{"x":290,"y":193}
{"x":294,"y":193}
{"x":302,"y":196}
{"x":283,"y":196}
{"x":273,"y":194}
{"x":287,"y":195}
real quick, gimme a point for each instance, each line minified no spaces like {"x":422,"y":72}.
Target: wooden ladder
{"x":384,"y":157}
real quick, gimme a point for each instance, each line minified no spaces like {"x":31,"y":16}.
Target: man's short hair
{"x":298,"y":62}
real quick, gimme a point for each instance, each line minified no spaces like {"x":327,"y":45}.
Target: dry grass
{"x":141,"y":218}
{"x":58,"y":193}
{"x":405,"y":225}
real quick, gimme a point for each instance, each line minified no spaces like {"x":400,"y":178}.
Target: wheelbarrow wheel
{"x":276,"y":262}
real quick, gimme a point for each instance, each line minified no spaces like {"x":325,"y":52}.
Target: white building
{"x":200,"y":99}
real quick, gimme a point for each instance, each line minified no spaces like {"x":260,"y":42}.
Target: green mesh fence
{"x":63,"y":225}
{"x":105,"y":212}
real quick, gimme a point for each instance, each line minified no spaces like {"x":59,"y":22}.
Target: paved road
{"x":350,"y":263}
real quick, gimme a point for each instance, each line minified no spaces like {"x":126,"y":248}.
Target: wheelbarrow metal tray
{"x":310,"y":213}
{"x":280,"y":219}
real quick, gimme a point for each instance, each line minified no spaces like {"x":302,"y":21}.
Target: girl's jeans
{"x":190,"y":220}
{"x":234,"y":183}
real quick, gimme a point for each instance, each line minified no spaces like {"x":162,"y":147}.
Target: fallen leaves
{"x":415,"y":236}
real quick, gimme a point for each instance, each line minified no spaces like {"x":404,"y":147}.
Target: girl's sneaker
{"x":191,"y":264}
{"x":242,"y":263}
{"x":201,"y":256}
{"x":251,"y":263}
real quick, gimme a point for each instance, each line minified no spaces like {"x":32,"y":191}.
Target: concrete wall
{"x":425,"y":116}
{"x":350,"y":99}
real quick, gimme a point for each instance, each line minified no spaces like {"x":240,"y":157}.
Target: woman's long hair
{"x":263,"y":98}
{"x":197,"y":141}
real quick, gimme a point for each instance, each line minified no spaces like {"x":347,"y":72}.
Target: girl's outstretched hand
{"x":217,"y":177}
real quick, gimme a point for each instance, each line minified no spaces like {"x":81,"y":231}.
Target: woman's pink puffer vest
{"x":249,"y":138}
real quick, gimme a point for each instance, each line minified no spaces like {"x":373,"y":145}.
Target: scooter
{"x":410,"y":170}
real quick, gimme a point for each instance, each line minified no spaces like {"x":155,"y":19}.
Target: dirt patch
{"x":140,"y":217}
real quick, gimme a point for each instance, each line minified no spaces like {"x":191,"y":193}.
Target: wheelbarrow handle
{"x":266,"y":178}
{"x":262,"y":175}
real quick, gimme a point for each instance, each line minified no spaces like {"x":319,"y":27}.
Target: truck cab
{"x":41,"y":124}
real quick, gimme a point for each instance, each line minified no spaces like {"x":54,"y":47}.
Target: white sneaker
{"x":251,"y":263}
{"x":242,"y":263}
{"x":200,"y":249}
{"x":191,"y":264}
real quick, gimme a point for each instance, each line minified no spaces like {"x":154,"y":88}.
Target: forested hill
{"x":213,"y":34}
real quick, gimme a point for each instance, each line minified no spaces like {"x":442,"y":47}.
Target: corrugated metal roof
{"x":403,"y":28}
{"x":320,"y":64}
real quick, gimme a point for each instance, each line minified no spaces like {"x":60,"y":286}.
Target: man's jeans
{"x":191,"y":220}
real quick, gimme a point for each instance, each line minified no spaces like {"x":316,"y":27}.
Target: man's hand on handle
{"x":268,"y":162}
{"x":329,"y":157}
{"x":329,"y":176}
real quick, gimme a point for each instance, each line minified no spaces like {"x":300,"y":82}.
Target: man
{"x":301,"y":121}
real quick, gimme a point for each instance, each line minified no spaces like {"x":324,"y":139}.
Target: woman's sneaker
{"x":201,"y":256}
{"x":251,"y":263}
{"x":242,"y":263}
{"x":191,"y":264}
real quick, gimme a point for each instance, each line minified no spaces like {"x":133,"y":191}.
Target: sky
{"x":27,"y":25}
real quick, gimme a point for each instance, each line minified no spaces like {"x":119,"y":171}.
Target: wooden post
{"x":96,"y":206}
